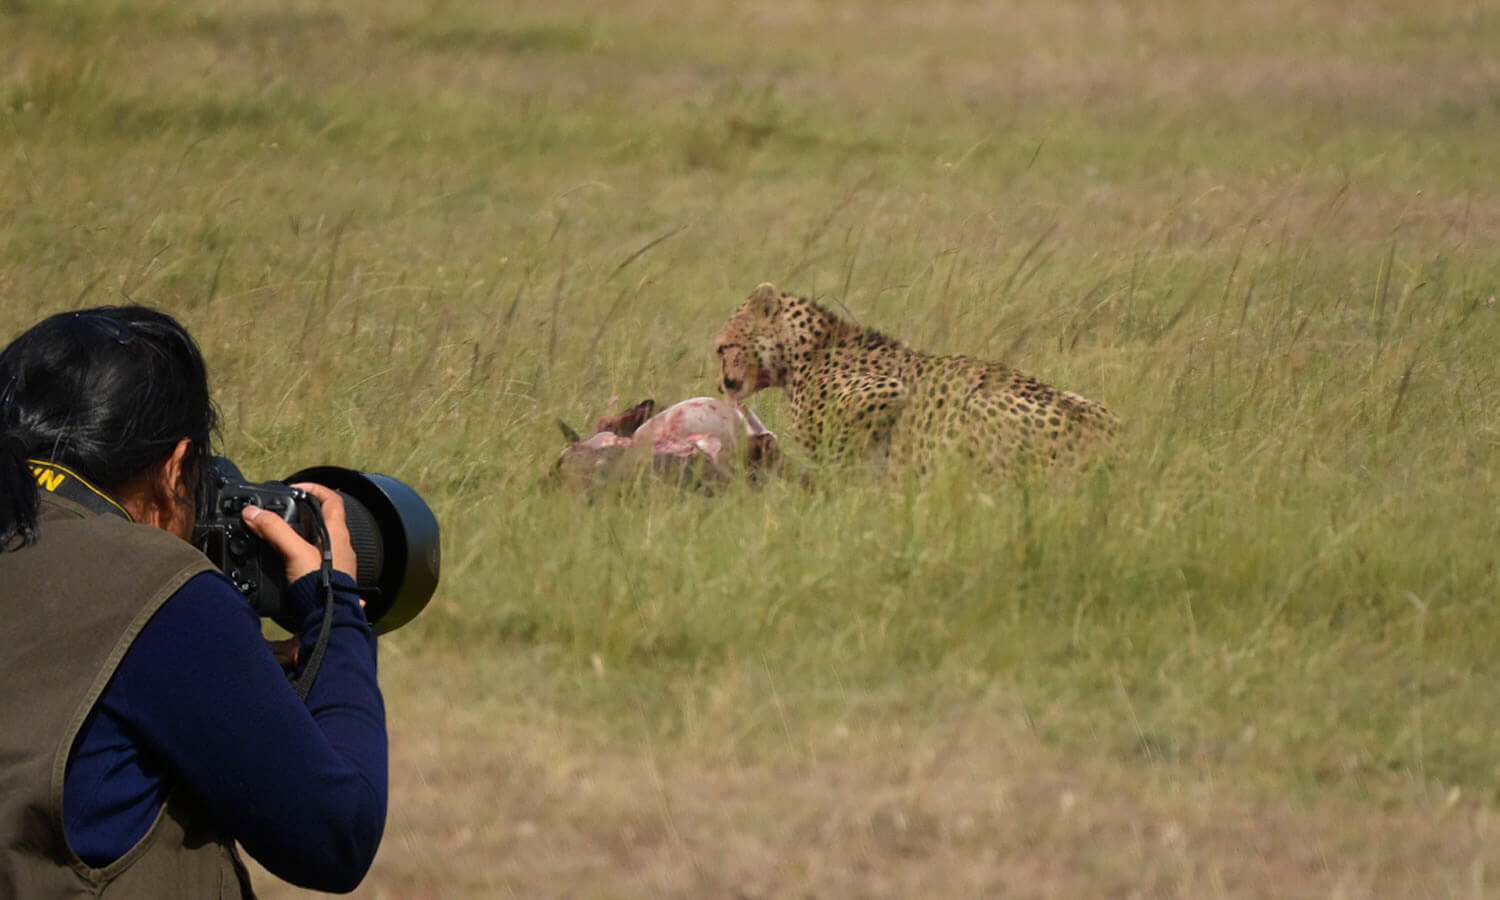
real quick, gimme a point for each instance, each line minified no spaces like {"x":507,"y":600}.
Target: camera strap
{"x":303,"y":683}
{"x":56,"y":478}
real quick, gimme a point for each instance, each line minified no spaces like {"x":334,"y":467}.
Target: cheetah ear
{"x":765,"y":299}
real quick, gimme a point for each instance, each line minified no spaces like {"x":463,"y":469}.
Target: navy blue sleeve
{"x":301,"y":787}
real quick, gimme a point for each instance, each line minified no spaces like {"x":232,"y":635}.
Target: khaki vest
{"x":70,"y":606}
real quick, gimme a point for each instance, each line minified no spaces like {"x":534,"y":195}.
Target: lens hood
{"x":395,"y":537}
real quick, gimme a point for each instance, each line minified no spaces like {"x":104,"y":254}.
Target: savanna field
{"x":1252,"y":655}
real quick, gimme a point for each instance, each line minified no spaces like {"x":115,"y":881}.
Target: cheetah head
{"x":751,"y":354}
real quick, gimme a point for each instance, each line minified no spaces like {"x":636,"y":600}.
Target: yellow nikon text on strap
{"x":55,"y":478}
{"x":48,"y":477}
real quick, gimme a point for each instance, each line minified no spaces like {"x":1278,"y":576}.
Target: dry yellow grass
{"x":1252,"y":657}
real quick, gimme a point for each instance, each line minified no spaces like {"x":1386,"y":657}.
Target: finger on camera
{"x":330,"y":500}
{"x":332,"y":504}
{"x":301,"y":557}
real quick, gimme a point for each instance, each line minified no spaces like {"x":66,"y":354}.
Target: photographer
{"x":145,"y":725}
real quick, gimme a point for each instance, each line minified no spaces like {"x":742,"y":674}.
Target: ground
{"x":1253,"y":656}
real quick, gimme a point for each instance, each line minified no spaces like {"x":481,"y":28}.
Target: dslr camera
{"x":394,"y":533}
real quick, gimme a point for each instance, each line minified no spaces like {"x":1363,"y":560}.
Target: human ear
{"x":170,"y":494}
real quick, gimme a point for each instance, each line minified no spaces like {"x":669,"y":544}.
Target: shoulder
{"x":870,"y":351}
{"x":148,"y":552}
{"x":112,"y":531}
{"x":65,"y":522}
{"x":85,"y":551}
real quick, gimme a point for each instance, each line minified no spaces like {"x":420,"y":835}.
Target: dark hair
{"x":107,"y":392}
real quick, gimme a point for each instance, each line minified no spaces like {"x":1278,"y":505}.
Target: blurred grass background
{"x":1253,"y":656}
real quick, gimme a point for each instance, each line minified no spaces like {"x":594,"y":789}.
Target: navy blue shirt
{"x":199,"y":700}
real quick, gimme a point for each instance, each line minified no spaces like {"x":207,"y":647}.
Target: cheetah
{"x":857,"y":394}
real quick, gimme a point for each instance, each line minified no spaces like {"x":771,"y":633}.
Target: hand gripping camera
{"x":394,"y":533}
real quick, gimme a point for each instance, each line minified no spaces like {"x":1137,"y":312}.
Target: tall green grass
{"x":411,"y":237}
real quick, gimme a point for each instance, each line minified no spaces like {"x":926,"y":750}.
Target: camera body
{"x":392,"y":530}
{"x":253,"y":565}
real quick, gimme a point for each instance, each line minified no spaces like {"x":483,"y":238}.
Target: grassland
{"x":1254,"y":656}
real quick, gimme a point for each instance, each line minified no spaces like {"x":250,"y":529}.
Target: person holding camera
{"x":146,"y":727}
